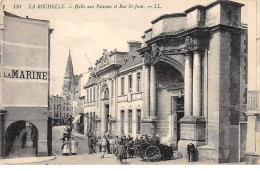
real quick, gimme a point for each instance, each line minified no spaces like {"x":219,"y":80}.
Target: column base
{"x":42,"y":148}
{"x":193,"y":128}
{"x":149,"y":125}
{"x":252,"y":158}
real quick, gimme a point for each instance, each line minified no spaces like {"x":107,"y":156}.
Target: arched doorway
{"x":170,"y":101}
{"x":105,"y":126}
{"x":21,"y":140}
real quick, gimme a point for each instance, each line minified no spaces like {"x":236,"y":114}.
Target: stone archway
{"x":170,"y":101}
{"x":21,"y":140}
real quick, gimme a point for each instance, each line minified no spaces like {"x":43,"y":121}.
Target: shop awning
{"x":76,"y":118}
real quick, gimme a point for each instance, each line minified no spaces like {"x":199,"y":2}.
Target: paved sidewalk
{"x":78,"y":135}
{"x":28,"y":160}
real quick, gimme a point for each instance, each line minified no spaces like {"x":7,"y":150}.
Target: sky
{"x":92,"y":30}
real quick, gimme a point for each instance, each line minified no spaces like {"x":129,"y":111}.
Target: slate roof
{"x":13,"y":15}
{"x":90,"y":81}
{"x":131,"y":59}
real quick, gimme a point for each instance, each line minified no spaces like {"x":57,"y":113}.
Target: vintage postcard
{"x":137,"y":82}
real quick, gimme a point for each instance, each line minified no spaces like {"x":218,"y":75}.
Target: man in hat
{"x":190,"y":151}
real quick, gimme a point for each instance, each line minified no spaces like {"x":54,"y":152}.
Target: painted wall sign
{"x":24,"y":74}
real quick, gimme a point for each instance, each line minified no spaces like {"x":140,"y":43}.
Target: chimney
{"x":104,"y":50}
{"x":90,"y":69}
{"x":133,"y":45}
{"x":115,"y":50}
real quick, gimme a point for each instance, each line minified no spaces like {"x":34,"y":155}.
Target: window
{"x":130,"y":121}
{"x":98,"y":92}
{"x":122,"y":121}
{"x":138,"y":121}
{"x":94,"y":93}
{"x":130,"y":83}
{"x":138,"y":82}
{"x":122,"y":86}
{"x":90,"y":123}
{"x":90,"y":95}
{"x":87,"y":96}
{"x":55,"y":114}
{"x":106,"y":94}
{"x":112,"y":87}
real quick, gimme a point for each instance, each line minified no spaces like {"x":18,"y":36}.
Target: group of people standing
{"x":69,"y":145}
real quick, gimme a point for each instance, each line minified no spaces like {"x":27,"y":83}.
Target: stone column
{"x":188,"y":86}
{"x":153,"y":92}
{"x":197,"y":84}
{"x":146,"y":91}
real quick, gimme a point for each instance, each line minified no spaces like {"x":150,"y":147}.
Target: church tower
{"x":68,"y":78}
{"x":67,"y":87}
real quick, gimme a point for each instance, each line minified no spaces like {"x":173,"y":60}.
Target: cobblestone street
{"x":83,"y":157}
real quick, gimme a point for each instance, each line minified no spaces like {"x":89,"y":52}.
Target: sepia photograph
{"x":129,"y":82}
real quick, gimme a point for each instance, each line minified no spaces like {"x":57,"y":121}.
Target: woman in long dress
{"x":74,"y":145}
{"x":66,"y":147}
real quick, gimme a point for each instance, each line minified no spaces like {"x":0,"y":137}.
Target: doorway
{"x":21,"y":140}
{"x":180,"y":115}
{"x":108,"y":125}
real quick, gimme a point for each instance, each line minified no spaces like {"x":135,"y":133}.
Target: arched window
{"x":106,"y":94}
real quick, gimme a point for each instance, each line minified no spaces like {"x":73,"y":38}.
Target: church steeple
{"x":69,"y":67}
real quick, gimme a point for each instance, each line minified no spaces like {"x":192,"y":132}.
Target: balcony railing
{"x":253,"y":100}
{"x":137,"y":96}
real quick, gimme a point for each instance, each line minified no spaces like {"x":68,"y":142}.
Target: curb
{"x":45,"y":160}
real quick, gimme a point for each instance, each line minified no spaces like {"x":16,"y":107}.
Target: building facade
{"x":180,"y":84}
{"x":252,"y":133}
{"x":57,"y":109}
{"x":24,"y":86}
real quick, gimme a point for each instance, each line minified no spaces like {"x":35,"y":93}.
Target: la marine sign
{"x":24,"y":74}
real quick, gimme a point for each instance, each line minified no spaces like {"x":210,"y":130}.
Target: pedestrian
{"x":190,"y":151}
{"x":89,"y":134}
{"x":108,"y":145}
{"x":63,"y":139}
{"x":90,"y":145}
{"x":94,"y":143}
{"x":74,"y":145}
{"x":119,"y":152}
{"x":66,"y":147}
{"x":103,"y":146}
{"x":112,"y":144}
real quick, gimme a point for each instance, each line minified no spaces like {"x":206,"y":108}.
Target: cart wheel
{"x":142,"y":154}
{"x":152,"y":153}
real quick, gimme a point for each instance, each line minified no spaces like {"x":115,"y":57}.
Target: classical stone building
{"x":181,"y":84}
{"x":24,"y":86}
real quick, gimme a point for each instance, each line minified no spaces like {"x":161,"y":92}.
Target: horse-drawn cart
{"x":152,"y":151}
